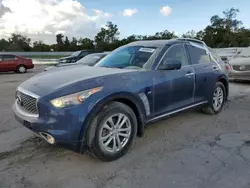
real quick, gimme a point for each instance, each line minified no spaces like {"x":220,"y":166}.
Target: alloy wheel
{"x":115,"y":132}
{"x":218,"y":98}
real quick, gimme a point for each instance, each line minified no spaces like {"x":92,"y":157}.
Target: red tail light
{"x":227,"y":66}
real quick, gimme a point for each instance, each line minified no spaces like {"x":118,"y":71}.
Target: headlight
{"x":75,"y":98}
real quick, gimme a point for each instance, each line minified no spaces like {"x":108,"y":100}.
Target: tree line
{"x":222,"y":32}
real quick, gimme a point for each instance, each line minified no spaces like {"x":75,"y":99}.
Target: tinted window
{"x":1,"y":59}
{"x":84,"y":54}
{"x":127,"y":57}
{"x":90,"y":60}
{"x":198,"y":55}
{"x":76,"y":53}
{"x":176,"y":52}
{"x":8,"y":57}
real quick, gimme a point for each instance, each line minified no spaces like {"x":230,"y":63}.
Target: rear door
{"x":206,"y":71}
{"x":11,"y":62}
{"x":174,"y":89}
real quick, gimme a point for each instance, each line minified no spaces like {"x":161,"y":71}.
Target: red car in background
{"x":15,"y":63}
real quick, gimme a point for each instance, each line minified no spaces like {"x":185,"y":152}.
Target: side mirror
{"x":170,"y":64}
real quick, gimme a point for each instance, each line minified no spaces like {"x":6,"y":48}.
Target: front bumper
{"x":239,"y":75}
{"x":64,"y":126}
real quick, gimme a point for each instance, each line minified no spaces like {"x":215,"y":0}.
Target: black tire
{"x":209,"y":109}
{"x":96,"y":148}
{"x":21,"y":69}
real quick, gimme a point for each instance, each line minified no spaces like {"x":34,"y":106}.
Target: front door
{"x":174,"y":89}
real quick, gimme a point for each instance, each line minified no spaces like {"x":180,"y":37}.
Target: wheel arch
{"x":20,"y":64}
{"x":135,"y":103}
{"x":226,"y":85}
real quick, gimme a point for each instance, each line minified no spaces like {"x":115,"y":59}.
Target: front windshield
{"x":76,"y":53}
{"x":90,"y":60}
{"x":127,"y":57}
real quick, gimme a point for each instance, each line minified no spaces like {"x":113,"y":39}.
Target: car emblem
{"x":242,"y":67}
{"x":19,"y":100}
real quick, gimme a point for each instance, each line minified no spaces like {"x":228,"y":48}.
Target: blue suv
{"x":103,"y":108}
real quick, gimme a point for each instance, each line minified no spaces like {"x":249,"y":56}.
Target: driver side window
{"x":176,"y":52}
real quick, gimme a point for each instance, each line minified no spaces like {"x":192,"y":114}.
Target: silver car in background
{"x":240,"y":66}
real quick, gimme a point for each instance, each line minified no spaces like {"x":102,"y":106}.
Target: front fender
{"x":87,"y":131}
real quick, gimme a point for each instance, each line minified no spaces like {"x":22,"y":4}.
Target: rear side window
{"x":9,"y":57}
{"x":198,"y":55}
{"x":1,"y":58}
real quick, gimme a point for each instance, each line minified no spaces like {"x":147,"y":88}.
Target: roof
{"x":155,"y":43}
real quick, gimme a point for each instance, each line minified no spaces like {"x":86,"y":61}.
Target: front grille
{"x":241,"y":67}
{"x":27,"y":103}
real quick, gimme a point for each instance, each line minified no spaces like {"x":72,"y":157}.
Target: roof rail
{"x":192,"y":40}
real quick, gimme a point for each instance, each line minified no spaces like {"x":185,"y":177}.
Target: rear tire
{"x":21,"y":69}
{"x":217,"y":100}
{"x":115,"y":133}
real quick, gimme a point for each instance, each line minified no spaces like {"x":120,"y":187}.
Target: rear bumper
{"x":30,"y":66}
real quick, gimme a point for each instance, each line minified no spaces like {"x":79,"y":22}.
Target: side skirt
{"x":176,"y":111}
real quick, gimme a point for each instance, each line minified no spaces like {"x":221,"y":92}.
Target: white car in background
{"x":240,"y":66}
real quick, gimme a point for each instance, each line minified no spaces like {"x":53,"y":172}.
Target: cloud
{"x":166,"y":10}
{"x":3,"y":9}
{"x":46,"y":18}
{"x":99,"y":13}
{"x":129,"y":12}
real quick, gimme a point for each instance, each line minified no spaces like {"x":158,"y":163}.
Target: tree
{"x":66,"y":43}
{"x":73,"y":44}
{"x":59,"y":41}
{"x":4,"y":45}
{"x":39,"y":46}
{"x":86,"y":43}
{"x":19,"y":42}
{"x":190,"y":34}
{"x":107,"y":38}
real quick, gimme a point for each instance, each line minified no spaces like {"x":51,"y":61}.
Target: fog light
{"x":50,"y":139}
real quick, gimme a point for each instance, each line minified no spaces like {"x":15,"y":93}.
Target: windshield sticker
{"x":96,"y":57}
{"x":150,"y":50}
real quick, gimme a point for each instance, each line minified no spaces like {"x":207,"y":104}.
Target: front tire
{"x":218,"y":100}
{"x":116,"y":128}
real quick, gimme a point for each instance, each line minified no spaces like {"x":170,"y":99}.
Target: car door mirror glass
{"x":170,"y":64}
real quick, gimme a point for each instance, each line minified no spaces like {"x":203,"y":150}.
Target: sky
{"x":43,"y":19}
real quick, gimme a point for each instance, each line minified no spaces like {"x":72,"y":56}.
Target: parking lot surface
{"x":190,"y":149}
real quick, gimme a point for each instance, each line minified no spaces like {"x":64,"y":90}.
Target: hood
{"x":60,"y":65}
{"x":240,"y":61}
{"x":49,"y":81}
{"x":64,"y":64}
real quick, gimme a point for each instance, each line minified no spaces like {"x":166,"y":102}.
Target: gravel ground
{"x":190,"y":149}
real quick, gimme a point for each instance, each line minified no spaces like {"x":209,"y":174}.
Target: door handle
{"x":215,"y":68}
{"x":189,"y":74}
